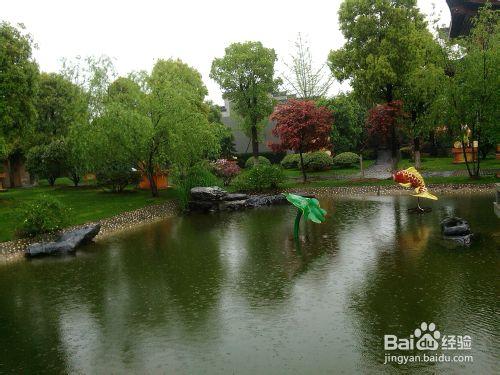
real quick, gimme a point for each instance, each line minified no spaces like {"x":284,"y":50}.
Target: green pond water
{"x":230,"y":293}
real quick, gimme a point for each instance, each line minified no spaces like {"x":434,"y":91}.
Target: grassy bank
{"x":87,"y":203}
{"x":445,"y":164}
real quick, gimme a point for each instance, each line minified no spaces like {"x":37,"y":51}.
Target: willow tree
{"x":158,"y":119}
{"x":246,"y":76}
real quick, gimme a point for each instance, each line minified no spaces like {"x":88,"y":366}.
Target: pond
{"x":229,"y":293}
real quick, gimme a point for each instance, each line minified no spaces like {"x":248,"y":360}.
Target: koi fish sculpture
{"x":410,"y":178}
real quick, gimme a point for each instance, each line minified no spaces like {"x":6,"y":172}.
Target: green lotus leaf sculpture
{"x":307,"y":207}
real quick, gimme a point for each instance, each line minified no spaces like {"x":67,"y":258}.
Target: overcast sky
{"x":136,"y":33}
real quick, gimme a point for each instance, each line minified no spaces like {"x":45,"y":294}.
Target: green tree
{"x":422,"y":103}
{"x":158,"y":119}
{"x":18,"y":88}
{"x":348,"y":120}
{"x":222,"y":132}
{"x":48,"y":160}
{"x":302,"y":78}
{"x":59,"y":104}
{"x":474,"y":88}
{"x":246,"y":76}
{"x":383,"y":45}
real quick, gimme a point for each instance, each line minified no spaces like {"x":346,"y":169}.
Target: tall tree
{"x":18,"y":87}
{"x":301,"y":126}
{"x":349,"y":119}
{"x":383,"y":45}
{"x":160,"y":120}
{"x":302,"y":78}
{"x":246,"y":76}
{"x":474,"y":90}
{"x":60,"y":103}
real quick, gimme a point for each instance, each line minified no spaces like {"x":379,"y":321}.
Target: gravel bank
{"x":395,"y":189}
{"x":12,"y":250}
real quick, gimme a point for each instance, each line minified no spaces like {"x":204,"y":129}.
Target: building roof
{"x":462,"y":13}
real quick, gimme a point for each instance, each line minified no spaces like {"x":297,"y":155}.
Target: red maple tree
{"x":301,"y":126}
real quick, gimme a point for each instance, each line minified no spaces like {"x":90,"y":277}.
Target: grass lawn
{"x":335,"y":171}
{"x":445,"y":164}
{"x":87,"y":203}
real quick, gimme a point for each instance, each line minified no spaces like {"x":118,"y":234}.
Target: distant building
{"x":14,"y":174}
{"x":462,"y":13}
{"x":242,"y":142}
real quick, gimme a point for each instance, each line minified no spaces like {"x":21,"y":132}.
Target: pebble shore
{"x":13,"y":250}
{"x":396,"y":190}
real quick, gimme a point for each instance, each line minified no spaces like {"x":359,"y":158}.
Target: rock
{"x":203,"y":206}
{"x":265,"y":200}
{"x":67,"y":243}
{"x":456,"y":229}
{"x":236,"y":205}
{"x":455,"y":226}
{"x":213,"y":193}
{"x":235,"y":197}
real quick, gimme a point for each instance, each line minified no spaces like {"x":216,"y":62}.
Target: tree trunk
{"x":304,"y":176}
{"x":416,"y":150}
{"x":152,"y":183}
{"x":361,"y":165}
{"x":75,"y":178}
{"x":52,"y":180}
{"x":255,"y":144}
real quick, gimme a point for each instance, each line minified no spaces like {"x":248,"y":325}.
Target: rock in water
{"x":265,"y":200}
{"x":67,"y":243}
{"x":236,"y":197}
{"x":213,"y":193}
{"x":457,"y":229}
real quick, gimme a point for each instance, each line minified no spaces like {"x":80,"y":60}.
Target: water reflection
{"x":230,"y":292}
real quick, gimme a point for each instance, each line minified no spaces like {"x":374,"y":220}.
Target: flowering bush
{"x":226,"y":169}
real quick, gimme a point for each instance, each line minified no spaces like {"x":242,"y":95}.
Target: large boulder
{"x":213,"y":193}
{"x":67,"y":243}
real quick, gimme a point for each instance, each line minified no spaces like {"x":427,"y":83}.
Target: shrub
{"x":406,"y":152}
{"x":226,"y":169}
{"x":199,"y":175}
{"x":45,"y":214}
{"x":116,"y":175}
{"x":48,"y":161}
{"x":291,"y":161}
{"x":274,"y":157}
{"x":369,"y":154}
{"x":317,"y":161}
{"x":261,"y":177}
{"x":262,"y":161}
{"x":346,"y":159}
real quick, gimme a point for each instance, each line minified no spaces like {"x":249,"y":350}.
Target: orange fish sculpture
{"x":410,"y":178}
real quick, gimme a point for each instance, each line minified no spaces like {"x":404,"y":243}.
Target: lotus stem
{"x":296,"y":226}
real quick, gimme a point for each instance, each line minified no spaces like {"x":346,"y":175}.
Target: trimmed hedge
{"x":346,"y":159}
{"x":317,"y":161}
{"x":291,"y":161}
{"x":274,"y":157}
{"x":259,"y":178}
{"x":251,"y":161}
